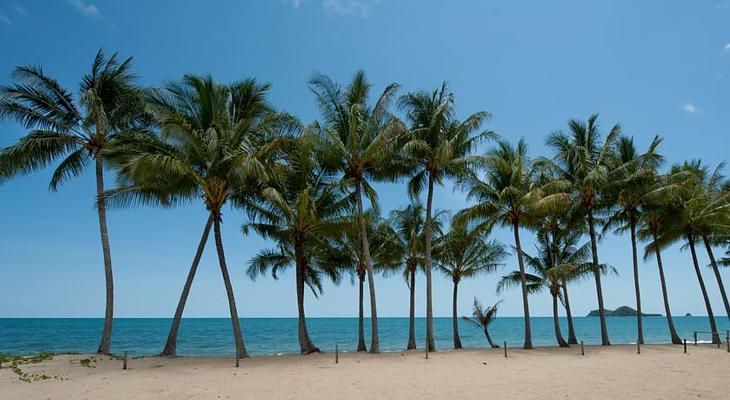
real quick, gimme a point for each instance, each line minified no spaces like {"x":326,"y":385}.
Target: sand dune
{"x":660,"y":372}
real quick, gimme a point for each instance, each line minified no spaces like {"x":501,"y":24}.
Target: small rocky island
{"x":624,"y":311}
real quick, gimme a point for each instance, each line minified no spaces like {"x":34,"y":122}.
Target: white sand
{"x":660,"y":372}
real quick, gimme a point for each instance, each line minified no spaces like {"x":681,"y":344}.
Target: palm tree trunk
{"x":374,"y":339}
{"x":597,"y":276}
{"x":572,"y":339}
{"x":237,"y":336}
{"x":635,"y":259}
{"x":556,"y":323}
{"x":717,"y":274}
{"x":427,"y":230}
{"x":489,"y":339}
{"x":710,"y":314}
{"x":523,"y":284}
{"x":412,"y":311}
{"x":361,"y":313}
{"x":106,"y":335}
{"x":305,"y":343}
{"x":457,"y":339}
{"x":667,"y":310}
{"x":171,"y":344}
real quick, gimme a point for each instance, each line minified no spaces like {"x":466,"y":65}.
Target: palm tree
{"x":584,"y":161}
{"x":685,"y":216}
{"x":215,"y":145}
{"x":635,"y":173}
{"x":345,"y":253}
{"x":406,"y":246}
{"x":360,"y":142}
{"x":436,"y":145}
{"x":79,"y":131}
{"x":558,"y":259}
{"x":482,"y":318}
{"x":299,"y":210}
{"x":465,"y":252}
{"x":508,"y":196}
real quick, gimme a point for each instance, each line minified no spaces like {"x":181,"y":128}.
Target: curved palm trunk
{"x":106,"y":335}
{"x":427,"y":230}
{"x":361,"y":313}
{"x":571,"y":330}
{"x":489,"y":339}
{"x":523,"y":284}
{"x":717,"y":274}
{"x":412,"y":314}
{"x":710,"y":314}
{"x":635,"y":259}
{"x":305,"y":343}
{"x":374,"y":339}
{"x":667,"y":310}
{"x":457,"y":339}
{"x":597,"y":276}
{"x":171,"y":344}
{"x":237,"y":336}
{"x":556,"y":323}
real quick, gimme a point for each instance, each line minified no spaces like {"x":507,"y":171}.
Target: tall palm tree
{"x":508,"y":196}
{"x":436,"y":145}
{"x":465,"y":252}
{"x":215,"y":144}
{"x":406,"y":243}
{"x":360,"y":143}
{"x":299,"y":210}
{"x":685,"y":215}
{"x":483,"y":318}
{"x":583,"y":159}
{"x":635,"y":172}
{"x":79,"y":131}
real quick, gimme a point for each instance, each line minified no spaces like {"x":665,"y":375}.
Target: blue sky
{"x":658,"y":67}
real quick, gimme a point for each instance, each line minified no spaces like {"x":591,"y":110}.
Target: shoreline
{"x":660,"y":371}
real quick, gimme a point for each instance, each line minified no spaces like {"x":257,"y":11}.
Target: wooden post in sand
{"x":426,"y":350}
{"x":638,"y":348}
{"x":727,"y":340}
{"x":124,"y":361}
{"x":685,"y":346}
{"x":237,"y":360}
{"x":337,"y":354}
{"x":505,"y":349}
{"x":582,"y":351}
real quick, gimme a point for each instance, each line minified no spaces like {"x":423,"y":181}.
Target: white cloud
{"x":87,"y":10}
{"x":296,"y":3}
{"x":5,"y":19}
{"x":689,"y":108}
{"x":358,"y":8}
{"x":726,"y":47}
{"x":21,"y":11}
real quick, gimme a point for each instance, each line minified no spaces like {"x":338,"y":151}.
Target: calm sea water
{"x":266,"y":336}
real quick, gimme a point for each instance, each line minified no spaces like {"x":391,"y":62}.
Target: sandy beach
{"x":660,"y":372}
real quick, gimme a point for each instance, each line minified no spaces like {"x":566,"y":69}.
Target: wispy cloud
{"x":21,"y":11}
{"x":86,"y":9}
{"x":689,"y":108}
{"x":726,"y":47}
{"x":5,"y":19}
{"x":296,"y":3}
{"x":358,"y":8}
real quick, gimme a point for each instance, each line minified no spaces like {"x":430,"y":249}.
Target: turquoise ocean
{"x":273,"y":336}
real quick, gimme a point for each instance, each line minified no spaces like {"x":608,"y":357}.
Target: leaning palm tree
{"x":483,"y":318}
{"x":634,"y":172}
{"x":80,"y":131}
{"x":583,"y":159}
{"x":299,"y":210}
{"x":465,"y":252}
{"x":360,"y":142}
{"x":215,"y":144}
{"x":436,"y":145}
{"x":684,"y":217}
{"x":509,"y":196}
{"x":406,"y":241}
